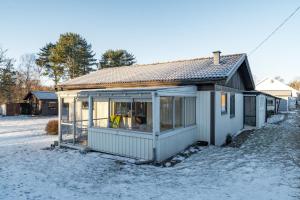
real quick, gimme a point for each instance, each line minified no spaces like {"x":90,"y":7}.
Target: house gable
{"x":241,"y":77}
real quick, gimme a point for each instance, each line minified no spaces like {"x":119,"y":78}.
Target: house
{"x":279,"y":89}
{"x":40,"y":103}
{"x":154,"y":111}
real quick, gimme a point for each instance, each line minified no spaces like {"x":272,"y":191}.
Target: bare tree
{"x":29,"y":73}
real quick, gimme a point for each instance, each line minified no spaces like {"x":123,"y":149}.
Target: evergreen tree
{"x":74,"y":54}
{"x":116,"y":58}
{"x":51,"y":67}
{"x":7,"y":78}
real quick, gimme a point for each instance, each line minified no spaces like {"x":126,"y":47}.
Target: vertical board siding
{"x":124,"y":143}
{"x":175,"y":141}
{"x":203,"y":115}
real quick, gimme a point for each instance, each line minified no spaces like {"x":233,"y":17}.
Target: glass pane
{"x":67,"y":110}
{"x":224,"y":103}
{"x":179,"y":112}
{"x":166,"y":113}
{"x":67,"y":119}
{"x":120,"y":115}
{"x":190,"y":111}
{"x":100,"y":113}
{"x":142,"y":116}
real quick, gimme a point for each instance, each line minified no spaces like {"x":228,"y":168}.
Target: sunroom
{"x":151,"y":123}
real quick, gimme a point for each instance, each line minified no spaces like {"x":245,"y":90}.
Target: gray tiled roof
{"x":194,"y":69}
{"x":44,"y":95}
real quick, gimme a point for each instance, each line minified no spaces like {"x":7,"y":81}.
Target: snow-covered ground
{"x":267,"y":166}
{"x":275,"y":118}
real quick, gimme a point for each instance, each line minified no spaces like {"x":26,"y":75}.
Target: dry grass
{"x":52,"y":127}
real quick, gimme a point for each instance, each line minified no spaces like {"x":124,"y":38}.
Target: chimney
{"x":217,"y":57}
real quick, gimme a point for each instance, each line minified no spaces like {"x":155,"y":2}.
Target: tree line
{"x":69,"y":57}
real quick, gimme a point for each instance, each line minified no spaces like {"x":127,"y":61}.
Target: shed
{"x":40,"y":103}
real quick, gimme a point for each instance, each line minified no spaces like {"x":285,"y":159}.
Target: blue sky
{"x":161,"y":30}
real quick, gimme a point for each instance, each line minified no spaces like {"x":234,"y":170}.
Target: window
{"x":120,"y":114}
{"x":142,"y":115}
{"x":176,"y":112}
{"x":52,"y":105}
{"x":166,"y":113}
{"x":223,"y":103}
{"x":232,"y":105}
{"x":100,"y":112}
{"x":67,"y":113}
{"x":133,"y":114}
{"x":270,"y":102}
{"x":179,"y":112}
{"x":190,"y":104}
{"x":85,"y":105}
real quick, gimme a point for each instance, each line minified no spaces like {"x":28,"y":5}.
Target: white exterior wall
{"x":260,"y":110}
{"x":203,"y":115}
{"x":121,"y":142}
{"x":170,"y":143}
{"x":225,"y":125}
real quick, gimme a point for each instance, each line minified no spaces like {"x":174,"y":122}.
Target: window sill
{"x":232,"y":116}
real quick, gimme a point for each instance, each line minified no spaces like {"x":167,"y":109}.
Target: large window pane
{"x":67,"y":113}
{"x":100,"y":113}
{"x":179,"y":112}
{"x":166,"y":113}
{"x":142,"y":116}
{"x":190,"y":103}
{"x":120,"y":115}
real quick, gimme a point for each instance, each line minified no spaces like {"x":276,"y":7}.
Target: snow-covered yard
{"x":267,"y":166}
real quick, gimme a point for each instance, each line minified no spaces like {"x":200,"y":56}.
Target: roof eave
{"x":142,"y":84}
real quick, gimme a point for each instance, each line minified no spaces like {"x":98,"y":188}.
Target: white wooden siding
{"x":224,"y":124}
{"x":203,"y":115}
{"x":121,"y":142}
{"x":170,"y":143}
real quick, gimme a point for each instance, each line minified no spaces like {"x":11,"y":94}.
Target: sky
{"x":165,"y":30}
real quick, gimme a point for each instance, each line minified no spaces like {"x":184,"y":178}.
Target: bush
{"x":228,"y":139}
{"x":52,"y":127}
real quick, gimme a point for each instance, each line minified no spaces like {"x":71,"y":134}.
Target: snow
{"x":267,"y":166}
{"x":275,"y":119}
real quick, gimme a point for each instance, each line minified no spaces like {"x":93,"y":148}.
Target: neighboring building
{"x":10,"y":109}
{"x":154,"y":111}
{"x":258,"y":106}
{"x":276,"y":88}
{"x":40,"y":103}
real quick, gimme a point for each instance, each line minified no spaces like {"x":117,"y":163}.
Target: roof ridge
{"x":190,"y":59}
{"x":172,"y":61}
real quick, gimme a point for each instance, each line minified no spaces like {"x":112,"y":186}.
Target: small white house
{"x":154,"y":111}
{"x":287,"y":94}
